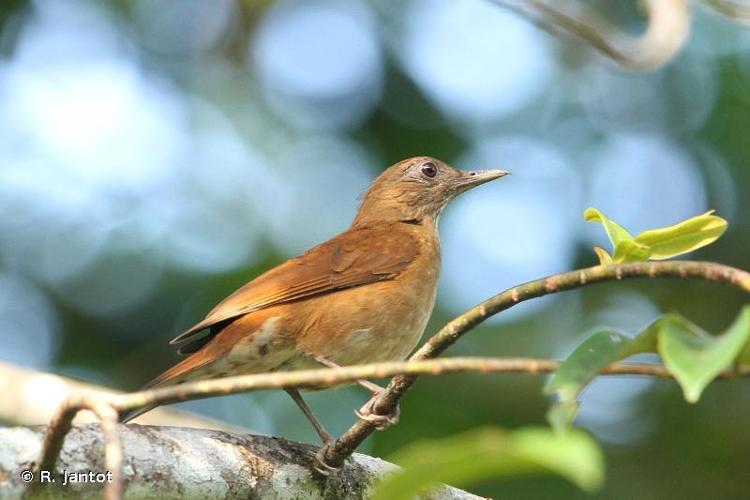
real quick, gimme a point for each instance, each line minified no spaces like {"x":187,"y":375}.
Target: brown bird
{"x":363,"y":296}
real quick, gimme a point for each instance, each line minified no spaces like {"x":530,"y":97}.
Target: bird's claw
{"x":381,"y":422}
{"x":320,"y":462}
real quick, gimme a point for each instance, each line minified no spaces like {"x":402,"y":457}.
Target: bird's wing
{"x":353,"y":258}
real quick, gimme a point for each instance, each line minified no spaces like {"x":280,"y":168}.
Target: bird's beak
{"x":472,"y":179}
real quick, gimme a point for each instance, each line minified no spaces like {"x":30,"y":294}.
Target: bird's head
{"x":417,"y":190}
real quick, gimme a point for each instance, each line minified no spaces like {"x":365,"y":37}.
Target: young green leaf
{"x":487,"y":453}
{"x":604,"y":257}
{"x":696,"y":358}
{"x":616,"y":232}
{"x":631,"y":251}
{"x":684,"y":237}
{"x":657,"y":244}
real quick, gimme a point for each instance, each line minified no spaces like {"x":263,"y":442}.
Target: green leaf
{"x":580,"y":368}
{"x":691,"y":355}
{"x":743,"y":358}
{"x":562,"y":413}
{"x":486,"y":453}
{"x":696,"y":358}
{"x":616,"y":232}
{"x":604,"y":257}
{"x":631,"y":251}
{"x":575,"y":455}
{"x":647,"y":340}
{"x":743,"y":322}
{"x":587,"y":361}
{"x":684,"y":237}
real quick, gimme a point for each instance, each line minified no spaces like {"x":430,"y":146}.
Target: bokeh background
{"x":155,"y":155}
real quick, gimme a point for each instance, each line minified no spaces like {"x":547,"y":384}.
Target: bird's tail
{"x":179,"y":373}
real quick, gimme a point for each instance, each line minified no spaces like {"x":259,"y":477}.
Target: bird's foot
{"x":320,"y":461}
{"x":381,"y":422}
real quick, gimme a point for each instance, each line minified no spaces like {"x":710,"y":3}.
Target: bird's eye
{"x":429,"y":169}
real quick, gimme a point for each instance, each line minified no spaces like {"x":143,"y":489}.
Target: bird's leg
{"x":327,"y":439}
{"x":375,"y":389}
{"x":297,"y":397}
{"x":366,"y":412}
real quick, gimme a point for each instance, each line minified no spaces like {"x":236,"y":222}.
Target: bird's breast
{"x":381,"y":321}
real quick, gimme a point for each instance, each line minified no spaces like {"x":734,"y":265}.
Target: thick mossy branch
{"x":176,"y":463}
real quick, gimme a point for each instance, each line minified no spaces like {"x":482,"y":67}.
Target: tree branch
{"x":332,"y":377}
{"x":174,"y":462}
{"x":667,"y":30}
{"x":32,"y":397}
{"x":736,"y":11}
{"x":60,"y":425}
{"x":386,"y":402}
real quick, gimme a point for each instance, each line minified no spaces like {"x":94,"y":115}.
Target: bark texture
{"x":176,"y":462}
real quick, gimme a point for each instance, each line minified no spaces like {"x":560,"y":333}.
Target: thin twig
{"x":666,"y":32}
{"x":387,"y":401}
{"x":332,"y":377}
{"x":60,"y":424}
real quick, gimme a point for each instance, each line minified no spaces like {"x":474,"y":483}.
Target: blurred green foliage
{"x":491,"y":453}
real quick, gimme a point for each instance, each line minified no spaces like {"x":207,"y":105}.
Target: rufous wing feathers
{"x":353,"y":258}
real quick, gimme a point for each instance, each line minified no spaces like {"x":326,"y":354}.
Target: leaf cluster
{"x":656,"y":244}
{"x":690,"y":354}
